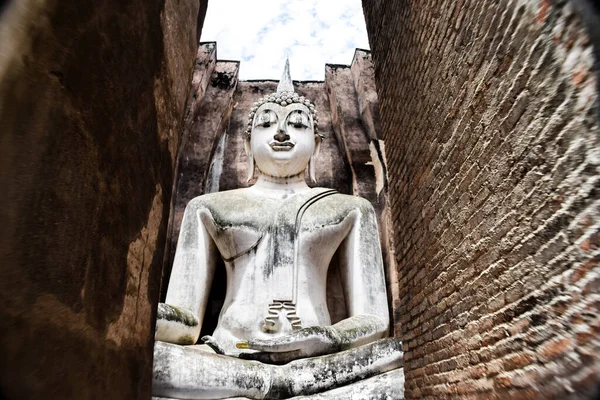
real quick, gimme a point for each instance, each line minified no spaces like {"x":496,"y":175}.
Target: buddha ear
{"x":248,"y":150}
{"x":317,"y":146}
{"x":312,"y":162}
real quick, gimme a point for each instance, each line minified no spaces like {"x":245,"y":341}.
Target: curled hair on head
{"x":284,"y":99}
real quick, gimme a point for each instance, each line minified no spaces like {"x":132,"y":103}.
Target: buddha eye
{"x":298,"y":119}
{"x":266,"y":118}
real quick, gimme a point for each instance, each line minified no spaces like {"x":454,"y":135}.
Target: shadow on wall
{"x":91,"y":100}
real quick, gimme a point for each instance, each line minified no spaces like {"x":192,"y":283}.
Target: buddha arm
{"x":180,"y":319}
{"x":363,"y":281}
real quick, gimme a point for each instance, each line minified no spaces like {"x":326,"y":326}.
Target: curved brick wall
{"x":490,"y":116}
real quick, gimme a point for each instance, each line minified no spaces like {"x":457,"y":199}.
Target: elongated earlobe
{"x":248,"y":150}
{"x":250,"y":167}
{"x":313,"y":160}
{"x":311,"y":170}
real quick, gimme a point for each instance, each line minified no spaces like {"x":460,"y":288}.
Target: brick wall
{"x":490,"y":112}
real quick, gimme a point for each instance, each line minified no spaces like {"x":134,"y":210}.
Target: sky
{"x":261,"y":33}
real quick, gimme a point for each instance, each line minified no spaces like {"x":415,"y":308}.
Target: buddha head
{"x":282,"y":136}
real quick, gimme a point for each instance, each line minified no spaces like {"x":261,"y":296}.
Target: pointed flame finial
{"x":284,"y":96}
{"x":285,"y":84}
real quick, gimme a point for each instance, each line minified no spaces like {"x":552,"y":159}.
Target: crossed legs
{"x":188,"y":372}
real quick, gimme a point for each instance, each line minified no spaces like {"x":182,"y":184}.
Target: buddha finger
{"x":313,"y":340}
{"x":272,"y":358}
{"x":286,"y":343}
{"x":212,"y":343}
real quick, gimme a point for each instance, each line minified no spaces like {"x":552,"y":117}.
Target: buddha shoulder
{"x":344,"y":203}
{"x":233,"y":200}
{"x":337,"y":208}
{"x":228,"y":208}
{"x":242,"y":206}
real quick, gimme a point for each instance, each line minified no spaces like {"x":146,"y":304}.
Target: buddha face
{"x":283,"y":139}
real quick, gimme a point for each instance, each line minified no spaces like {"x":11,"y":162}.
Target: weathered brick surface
{"x":92,"y":97}
{"x":489,"y":111}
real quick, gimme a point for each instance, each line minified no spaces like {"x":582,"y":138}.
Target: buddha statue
{"x":274,"y":338}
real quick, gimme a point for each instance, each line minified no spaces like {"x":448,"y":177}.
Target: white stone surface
{"x":277,"y":239}
{"x":179,"y":369}
{"x":386,"y":386}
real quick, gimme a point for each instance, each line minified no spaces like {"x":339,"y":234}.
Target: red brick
{"x":491,"y":145}
{"x":554,"y":349}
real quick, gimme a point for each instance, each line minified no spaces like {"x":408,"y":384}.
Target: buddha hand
{"x":308,"y":342}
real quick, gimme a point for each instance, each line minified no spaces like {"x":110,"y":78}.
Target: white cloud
{"x":260,"y":34}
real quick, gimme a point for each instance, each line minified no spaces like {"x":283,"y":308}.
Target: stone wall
{"x":91,"y":103}
{"x":212,"y":156}
{"x":489,"y":111}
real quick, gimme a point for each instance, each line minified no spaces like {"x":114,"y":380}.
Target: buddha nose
{"x":281,"y":136}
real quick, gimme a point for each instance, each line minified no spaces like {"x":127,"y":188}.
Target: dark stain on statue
{"x":270,"y":266}
{"x":248,"y":383}
{"x":282,"y":389}
{"x":282,"y":257}
{"x":176,"y":314}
